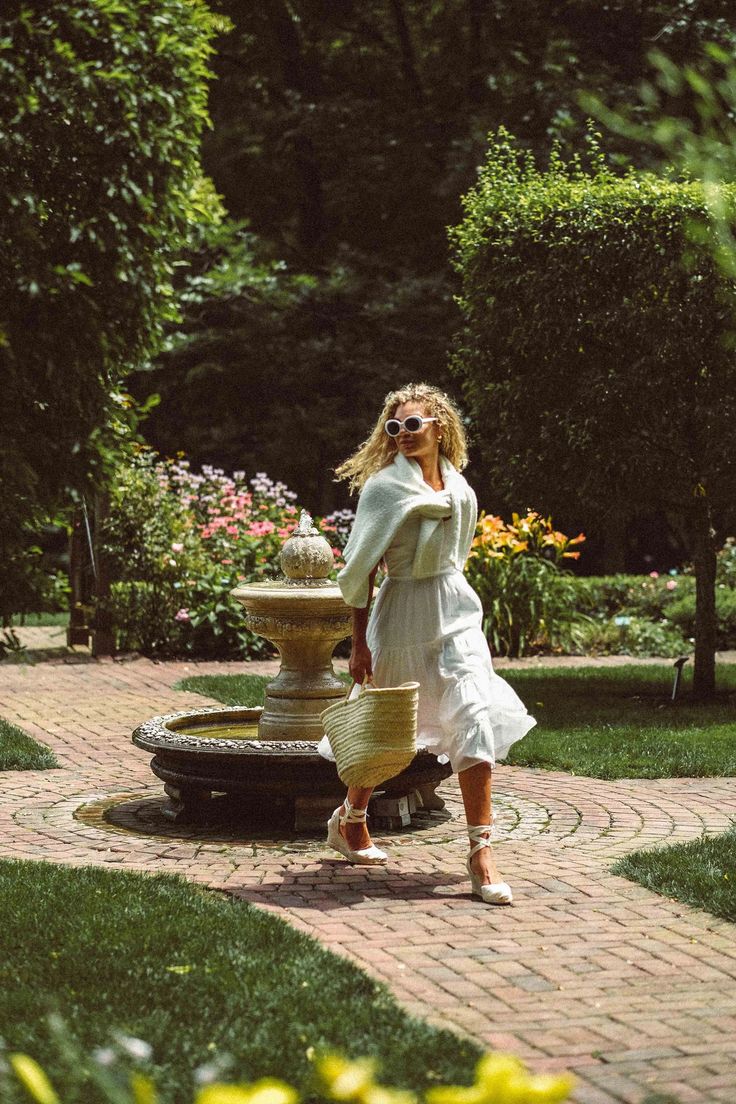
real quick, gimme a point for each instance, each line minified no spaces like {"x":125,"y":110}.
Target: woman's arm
{"x":361,"y":661}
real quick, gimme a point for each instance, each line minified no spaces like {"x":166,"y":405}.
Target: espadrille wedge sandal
{"x":493,"y":893}
{"x":367,"y":856}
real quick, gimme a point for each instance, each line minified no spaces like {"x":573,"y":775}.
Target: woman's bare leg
{"x":357,"y":836}
{"x":475,"y":786}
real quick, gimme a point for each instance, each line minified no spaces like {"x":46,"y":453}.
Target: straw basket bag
{"x":373,"y":736}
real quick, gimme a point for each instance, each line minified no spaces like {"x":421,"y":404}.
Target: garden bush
{"x":516,"y":570}
{"x":623,"y":635}
{"x":649,"y":615}
{"x":647,"y":596}
{"x":178,"y":541}
{"x":726,"y":563}
{"x":682,"y":614}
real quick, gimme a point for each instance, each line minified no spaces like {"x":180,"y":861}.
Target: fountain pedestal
{"x":306,"y":621}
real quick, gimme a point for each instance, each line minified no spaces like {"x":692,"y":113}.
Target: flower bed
{"x":180,"y":540}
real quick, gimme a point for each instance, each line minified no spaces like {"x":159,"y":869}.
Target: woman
{"x":417,"y":514}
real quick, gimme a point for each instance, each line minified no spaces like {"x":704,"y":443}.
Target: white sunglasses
{"x":413,"y":424}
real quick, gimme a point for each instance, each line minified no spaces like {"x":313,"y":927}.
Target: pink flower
{"x":670,"y":584}
{"x":261,"y":528}
{"x":177,"y":547}
{"x":653,"y":574}
{"x":226,"y":561}
{"x":182,"y":615}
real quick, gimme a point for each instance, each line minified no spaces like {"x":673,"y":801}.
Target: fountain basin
{"x":218,"y":751}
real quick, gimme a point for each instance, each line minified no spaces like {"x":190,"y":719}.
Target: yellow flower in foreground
{"x":144,"y":1090}
{"x":268,"y":1090}
{"x":503,"y":1079}
{"x":549,"y":1088}
{"x":344,"y":1079}
{"x":33,"y":1079}
{"x":456,"y":1094}
{"x":378,"y":1094}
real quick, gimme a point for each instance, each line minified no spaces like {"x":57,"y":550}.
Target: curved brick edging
{"x":587,"y":971}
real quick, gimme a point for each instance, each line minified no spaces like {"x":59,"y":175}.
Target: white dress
{"x":430,"y":630}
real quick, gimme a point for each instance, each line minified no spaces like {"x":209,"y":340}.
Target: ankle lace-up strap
{"x":480,"y":835}
{"x":351,"y":815}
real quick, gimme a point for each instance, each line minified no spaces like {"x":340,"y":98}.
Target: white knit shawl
{"x":388,"y":499}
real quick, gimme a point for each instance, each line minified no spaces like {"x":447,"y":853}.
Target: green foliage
{"x":623,"y":635}
{"x":650,"y":615}
{"x":178,"y":541}
{"x":597,"y":357}
{"x":516,"y":570}
{"x":499,"y":1079}
{"x":280,"y":369}
{"x":688,"y":118}
{"x":19,"y":751}
{"x":700,"y":873}
{"x":335,"y":129}
{"x":647,"y":596}
{"x":726,"y":563}
{"x":598,"y":344}
{"x":102,"y":106}
{"x":682,"y":613}
{"x":163,"y":948}
{"x":345,"y":138}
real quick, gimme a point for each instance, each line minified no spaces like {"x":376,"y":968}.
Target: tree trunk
{"x":103,"y":636}
{"x":704,"y":561}
{"x":79,"y":599}
{"x":615,"y":543}
{"x":300,"y":75}
{"x":477,"y":88}
{"x":406,"y":47}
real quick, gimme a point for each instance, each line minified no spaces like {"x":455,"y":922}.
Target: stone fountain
{"x":266,"y":758}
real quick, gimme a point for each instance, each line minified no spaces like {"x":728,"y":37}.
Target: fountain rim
{"x":159,"y":734}
{"x":285,"y":590}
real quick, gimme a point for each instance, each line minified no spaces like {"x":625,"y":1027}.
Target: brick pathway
{"x":587,"y":971}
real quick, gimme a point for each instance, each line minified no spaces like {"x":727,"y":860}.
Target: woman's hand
{"x":361,"y":663}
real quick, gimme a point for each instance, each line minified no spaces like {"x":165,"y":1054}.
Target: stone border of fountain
{"x":193,"y":768}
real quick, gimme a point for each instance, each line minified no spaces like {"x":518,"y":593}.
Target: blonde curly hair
{"x":378,"y":449}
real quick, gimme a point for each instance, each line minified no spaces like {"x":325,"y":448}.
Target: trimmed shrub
{"x":624,"y":635}
{"x":647,"y":596}
{"x":682,"y":614}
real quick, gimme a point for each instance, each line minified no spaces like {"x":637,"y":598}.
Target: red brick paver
{"x":588,"y":971}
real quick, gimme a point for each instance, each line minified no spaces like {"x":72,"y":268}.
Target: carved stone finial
{"x":306,"y":554}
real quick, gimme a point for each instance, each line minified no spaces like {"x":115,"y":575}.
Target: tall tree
{"x":102,"y":105}
{"x":598,"y":345}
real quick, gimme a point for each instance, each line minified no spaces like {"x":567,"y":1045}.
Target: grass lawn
{"x":246,"y":690}
{"x":39,"y":620}
{"x":700,"y":873}
{"x":196,"y":975}
{"x":619,"y":722}
{"x":19,"y":751}
{"x":604,"y":722}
